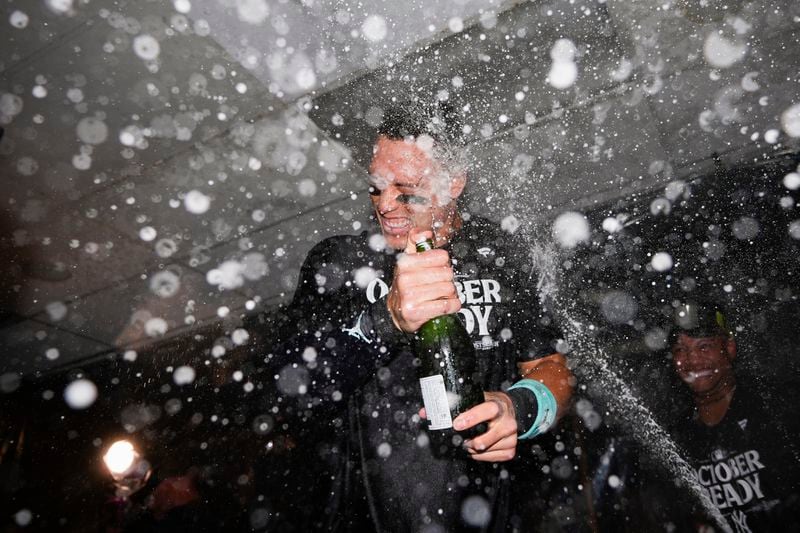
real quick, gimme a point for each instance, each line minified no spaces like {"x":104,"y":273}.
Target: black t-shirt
{"x":362,"y":383}
{"x":746,"y":465}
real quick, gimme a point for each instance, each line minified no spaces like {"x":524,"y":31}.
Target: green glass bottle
{"x":447,"y":367}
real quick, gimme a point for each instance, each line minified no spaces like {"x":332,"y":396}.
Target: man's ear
{"x":457,"y":184}
{"x":731,"y":348}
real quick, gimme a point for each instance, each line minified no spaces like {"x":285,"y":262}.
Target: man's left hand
{"x":499,"y":441}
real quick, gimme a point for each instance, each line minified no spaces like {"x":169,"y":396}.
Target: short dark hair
{"x":441,"y":120}
{"x":700,"y":318}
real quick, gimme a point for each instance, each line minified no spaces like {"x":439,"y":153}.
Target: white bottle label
{"x":437,"y":406}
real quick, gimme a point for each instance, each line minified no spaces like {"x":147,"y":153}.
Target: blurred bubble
{"x":259,"y":518}
{"x":92,"y":131}
{"x":377,"y":242}
{"x":721,"y":52}
{"x":196,"y":202}
{"x":570,"y":229}
{"x":18,"y":19}
{"x":263,"y":424}
{"x":80,"y":394}
{"x":794,"y":229}
{"x":27,"y":166}
{"x":165,"y":284}
{"x":614,"y":482}
{"x":790,"y":120}
{"x":293,"y":381}
{"x":183,"y":375}
{"x":23,"y":517}
{"x":240,"y":336}
{"x":59,"y":6}
{"x":307,"y":187}
{"x":146,"y":47}
{"x":455,"y":24}
{"x":660,"y":206}
{"x":674,"y":190}
{"x":619,"y":307}
{"x":611,"y":224}
{"x":155,"y":327}
{"x":510,"y":224}
{"x":476,"y":511}
{"x":562,"y":74}
{"x":10,"y":106}
{"x":661,"y":262}
{"x":746,"y":228}
{"x":56,"y":311}
{"x":165,"y":248}
{"x":147,"y":233}
{"x":792,"y":181}
{"x":655,"y":339}
{"x":9,"y":382}
{"x":384,"y":450}
{"x":364,"y":275}
{"x":182,"y":6}
{"x":374,"y":28}
{"x":52,"y":354}
{"x":252,"y":11}
{"x":561,"y":467}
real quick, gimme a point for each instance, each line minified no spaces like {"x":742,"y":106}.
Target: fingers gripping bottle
{"x":446,"y":370}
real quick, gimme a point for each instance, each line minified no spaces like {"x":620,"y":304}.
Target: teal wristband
{"x":546,"y":415}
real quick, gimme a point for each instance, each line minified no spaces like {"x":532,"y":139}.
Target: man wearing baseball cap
{"x":741,"y":455}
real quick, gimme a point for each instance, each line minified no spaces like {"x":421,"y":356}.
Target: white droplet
{"x":305,"y":78}
{"x":661,"y":262}
{"x":792,"y":181}
{"x":39,"y":91}
{"x":182,"y":6}
{"x":218,"y":351}
{"x":196,"y":202}
{"x":155,"y":327}
{"x":660,"y":206}
{"x":18,"y":19}
{"x":619,"y":307}
{"x":92,"y":131}
{"x":23,"y":517}
{"x":377,"y":242}
{"x":147,"y":233}
{"x":240,"y":336}
{"x":749,"y":82}
{"x":794,"y":229}
{"x":562,"y":74}
{"x":563,"y":50}
{"x":52,"y":354}
{"x":721,"y":52}
{"x":614,"y":481}
{"x":309,"y":354}
{"x":611,"y":225}
{"x":165,"y":248}
{"x":183,"y":375}
{"x":252,"y":11}
{"x":223,"y":311}
{"x":772,"y":135}
{"x":510,"y":224}
{"x":56,"y":311}
{"x":364,"y":275}
{"x":59,"y":6}
{"x":374,"y":28}
{"x":790,"y":120}
{"x":241,"y":88}
{"x":570,"y":229}
{"x":146,"y":47}
{"x":80,"y":394}
{"x":384,"y":450}
{"x":130,"y":355}
{"x":674,"y":189}
{"x":456,"y":24}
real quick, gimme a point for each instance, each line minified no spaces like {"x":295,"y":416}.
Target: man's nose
{"x":387,"y":201}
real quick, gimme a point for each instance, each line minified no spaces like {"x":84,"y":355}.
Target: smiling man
{"x":741,"y":455}
{"x":346,"y":346}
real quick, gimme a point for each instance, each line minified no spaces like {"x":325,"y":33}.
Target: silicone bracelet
{"x":546,"y":415}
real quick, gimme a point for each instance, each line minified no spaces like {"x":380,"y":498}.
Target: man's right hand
{"x":423,"y":286}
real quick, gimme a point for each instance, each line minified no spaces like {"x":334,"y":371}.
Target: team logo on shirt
{"x":478,"y":298}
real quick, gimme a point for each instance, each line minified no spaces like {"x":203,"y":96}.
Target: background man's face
{"x":409,"y":189}
{"x":702,"y":362}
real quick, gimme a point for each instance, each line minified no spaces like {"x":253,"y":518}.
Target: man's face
{"x":702,"y":362}
{"x":410,"y":189}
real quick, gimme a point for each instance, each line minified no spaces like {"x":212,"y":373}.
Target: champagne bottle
{"x":447,"y":366}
